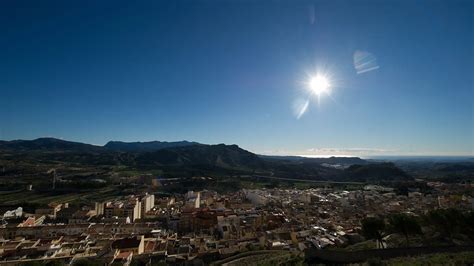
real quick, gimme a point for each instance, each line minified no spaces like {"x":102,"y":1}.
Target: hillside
{"x":375,"y":172}
{"x":177,"y":159}
{"x":330,"y":160}
{"x":48,"y":145}
{"x":446,"y":171}
{"x":146,"y":146}
{"x":223,"y":156}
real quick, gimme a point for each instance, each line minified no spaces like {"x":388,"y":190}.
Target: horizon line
{"x":369,"y":156}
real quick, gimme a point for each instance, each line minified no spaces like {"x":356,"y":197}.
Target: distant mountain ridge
{"x":181,"y":157}
{"x":221,"y":155}
{"x":146,"y":146}
{"x":184,"y":158}
{"x":48,"y":144}
{"x":151,"y":148}
{"x":376,"y":171}
{"x":53,"y":144}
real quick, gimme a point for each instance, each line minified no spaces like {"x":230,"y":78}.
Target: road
{"x":312,"y":181}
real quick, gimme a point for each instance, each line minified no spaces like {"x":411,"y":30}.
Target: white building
{"x":193,"y":199}
{"x":257,"y":197}
{"x":148,"y":202}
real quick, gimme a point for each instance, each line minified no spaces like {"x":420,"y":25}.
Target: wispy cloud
{"x":350,"y":150}
{"x":323,"y":152}
{"x":359,"y":152}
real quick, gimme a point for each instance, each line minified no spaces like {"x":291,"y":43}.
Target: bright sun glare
{"x":319,"y":84}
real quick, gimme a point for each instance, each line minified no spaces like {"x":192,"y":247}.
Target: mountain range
{"x":190,"y":158}
{"x":146,"y":146}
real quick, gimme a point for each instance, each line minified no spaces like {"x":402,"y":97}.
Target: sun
{"x":319,"y":84}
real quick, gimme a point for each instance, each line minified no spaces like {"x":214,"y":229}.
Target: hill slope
{"x":224,"y":156}
{"x":49,"y":145}
{"x":375,"y":172}
{"x":189,"y":159}
{"x":146,"y":146}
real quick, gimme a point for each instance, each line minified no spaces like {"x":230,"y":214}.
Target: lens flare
{"x":300,"y":106}
{"x":364,"y":62}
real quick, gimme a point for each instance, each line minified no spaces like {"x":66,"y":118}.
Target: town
{"x":236,"y":133}
{"x":200,"y":227}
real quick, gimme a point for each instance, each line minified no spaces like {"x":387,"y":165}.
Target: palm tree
{"x":405,"y":225}
{"x":374,"y":228}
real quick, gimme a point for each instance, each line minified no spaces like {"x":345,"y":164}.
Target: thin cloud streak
{"x":357,"y":152}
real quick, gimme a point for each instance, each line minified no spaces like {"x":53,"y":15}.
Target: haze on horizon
{"x":400,"y":74}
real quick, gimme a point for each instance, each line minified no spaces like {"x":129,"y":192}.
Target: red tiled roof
{"x":123,"y":255}
{"x":150,"y":246}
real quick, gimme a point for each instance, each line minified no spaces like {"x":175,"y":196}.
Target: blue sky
{"x":232,"y":72}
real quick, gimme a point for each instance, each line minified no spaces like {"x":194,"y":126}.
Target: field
{"x":18,"y":197}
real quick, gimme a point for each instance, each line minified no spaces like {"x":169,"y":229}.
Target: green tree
{"x":469,"y":224}
{"x":86,"y":262}
{"x":31,"y":263}
{"x":405,"y":225}
{"x":374,"y":228}
{"x":54,"y":263}
{"x":447,"y":222}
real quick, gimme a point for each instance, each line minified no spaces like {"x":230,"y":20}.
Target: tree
{"x":469,"y":224}
{"x":374,"y":228}
{"x":54,"y":263}
{"x":405,"y":225}
{"x":85,"y":262}
{"x":447,"y":222}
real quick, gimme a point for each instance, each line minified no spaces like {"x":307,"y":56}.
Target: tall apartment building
{"x":147,"y":203}
{"x":193,"y":199}
{"x":130,"y":207}
{"x":99,"y":208}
